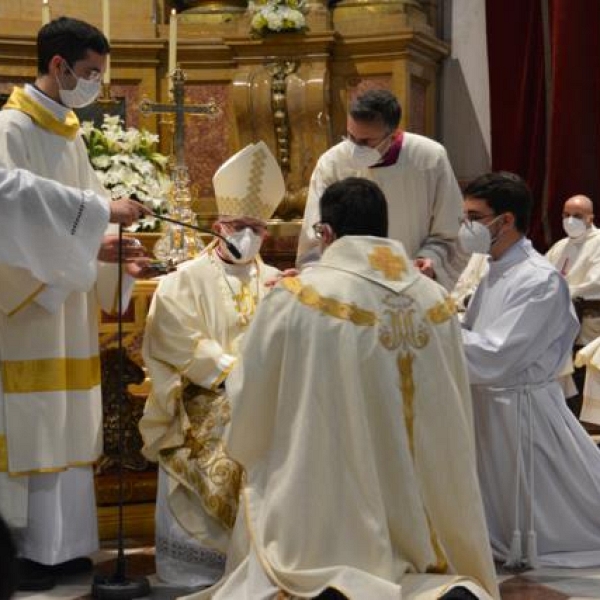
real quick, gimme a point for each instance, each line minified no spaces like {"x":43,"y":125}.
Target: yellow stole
{"x":41,"y":116}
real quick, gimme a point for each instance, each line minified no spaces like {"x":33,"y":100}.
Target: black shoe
{"x":459,"y":593}
{"x":34,"y":577}
{"x":75,"y":566}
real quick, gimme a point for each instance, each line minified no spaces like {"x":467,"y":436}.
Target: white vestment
{"x":196,"y":320}
{"x":52,"y":231}
{"x":539,"y":470}
{"x":424,"y":201}
{"x":579,"y":261}
{"x":51,"y":412}
{"x":351,"y":414}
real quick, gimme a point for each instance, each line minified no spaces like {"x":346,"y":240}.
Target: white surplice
{"x":539,"y":470}
{"x":196,"y":320}
{"x":351,"y":414}
{"x":51,"y":412}
{"x":424,"y":201}
{"x":579,"y":261}
{"x":35,"y":211}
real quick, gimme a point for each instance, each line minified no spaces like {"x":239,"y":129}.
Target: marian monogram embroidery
{"x":401,"y":324}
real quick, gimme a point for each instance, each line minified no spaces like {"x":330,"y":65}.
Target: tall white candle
{"x":45,"y":12}
{"x":106,"y":31}
{"x":172,"y":65}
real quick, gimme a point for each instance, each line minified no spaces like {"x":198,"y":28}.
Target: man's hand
{"x":127,"y":211}
{"x":135,"y":261}
{"x":425,"y":265}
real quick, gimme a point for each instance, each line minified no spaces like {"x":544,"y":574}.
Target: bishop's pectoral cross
{"x":179,"y":109}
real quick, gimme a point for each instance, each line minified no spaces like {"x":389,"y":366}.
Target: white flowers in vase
{"x":275,"y":16}
{"x":127,"y":164}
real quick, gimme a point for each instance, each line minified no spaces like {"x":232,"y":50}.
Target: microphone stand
{"x":119,"y":586}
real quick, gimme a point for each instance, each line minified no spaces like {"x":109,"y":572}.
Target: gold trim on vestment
{"x":308,"y":295}
{"x":222,"y":376}
{"x":392,"y":265}
{"x":3,"y":454}
{"x":41,"y":116}
{"x":202,"y":463}
{"x":50,"y":375}
{"x":442,"y":311}
{"x":4,"y":463}
{"x":27,"y":300}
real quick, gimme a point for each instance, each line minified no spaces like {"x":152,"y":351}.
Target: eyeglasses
{"x":365,"y":141}
{"x":257,"y":228}
{"x":319,"y":229}
{"x":471,"y":218}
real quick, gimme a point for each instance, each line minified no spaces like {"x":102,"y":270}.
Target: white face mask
{"x":362,"y":157}
{"x":574,"y":227}
{"x":474,"y":238}
{"x":247,"y":242}
{"x":83,"y":94}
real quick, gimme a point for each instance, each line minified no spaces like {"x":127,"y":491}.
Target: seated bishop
{"x":196,"y":321}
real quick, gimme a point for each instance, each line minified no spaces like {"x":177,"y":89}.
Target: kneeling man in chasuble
{"x":196,"y":321}
{"x":50,"y":401}
{"x":351,"y":415}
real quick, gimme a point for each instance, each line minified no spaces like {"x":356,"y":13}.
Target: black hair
{"x":355,"y":206}
{"x":69,"y":38}
{"x":377,"y":106}
{"x":504,"y":192}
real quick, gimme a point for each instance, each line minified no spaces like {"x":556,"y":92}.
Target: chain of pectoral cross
{"x":180,"y":109}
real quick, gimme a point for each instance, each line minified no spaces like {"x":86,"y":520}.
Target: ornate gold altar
{"x":289,"y":89}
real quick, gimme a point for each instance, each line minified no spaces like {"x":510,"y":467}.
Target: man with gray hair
{"x":424,"y":200}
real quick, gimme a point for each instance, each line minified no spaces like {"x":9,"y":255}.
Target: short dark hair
{"x":355,"y":206}
{"x":504,"y":192}
{"x":71,"y":39}
{"x":377,"y":105}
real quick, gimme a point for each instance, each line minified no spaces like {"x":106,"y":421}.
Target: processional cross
{"x":179,"y":243}
{"x":179,"y":108}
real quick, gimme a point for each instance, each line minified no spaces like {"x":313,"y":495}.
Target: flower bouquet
{"x":127,"y":164}
{"x":276,"y":16}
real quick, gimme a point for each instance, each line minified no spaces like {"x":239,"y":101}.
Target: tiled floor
{"x":542,"y":584}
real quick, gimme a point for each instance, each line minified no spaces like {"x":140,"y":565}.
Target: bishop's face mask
{"x":247,"y":242}
{"x":574,"y":227}
{"x":84,"y":92}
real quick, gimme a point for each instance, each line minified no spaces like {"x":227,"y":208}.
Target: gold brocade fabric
{"x":68,"y":128}
{"x":202,"y":464}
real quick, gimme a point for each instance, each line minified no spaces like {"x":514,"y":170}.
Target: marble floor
{"x":542,"y":584}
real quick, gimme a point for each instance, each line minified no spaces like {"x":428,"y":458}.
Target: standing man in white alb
{"x":50,"y":399}
{"x":424,"y":200}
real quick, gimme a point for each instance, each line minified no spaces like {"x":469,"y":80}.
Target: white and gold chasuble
{"x":50,"y":417}
{"x":195,"y":323}
{"x":351,"y":415}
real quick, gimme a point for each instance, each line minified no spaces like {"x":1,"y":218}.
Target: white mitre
{"x":249,"y":184}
